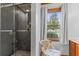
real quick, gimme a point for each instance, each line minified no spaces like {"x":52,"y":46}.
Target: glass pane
{"x":7,"y":30}
{"x":23,"y":34}
{"x":53,"y":25}
{"x":15,"y":30}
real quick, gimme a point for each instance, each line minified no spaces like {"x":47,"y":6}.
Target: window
{"x":53,"y":25}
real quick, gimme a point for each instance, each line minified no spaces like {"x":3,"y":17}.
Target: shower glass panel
{"x":7,"y":30}
{"x":22,"y":32}
{"x":15,"y":32}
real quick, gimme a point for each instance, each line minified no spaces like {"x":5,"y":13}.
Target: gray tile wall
{"x":22,"y":38}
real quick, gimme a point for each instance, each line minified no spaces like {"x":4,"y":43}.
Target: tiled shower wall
{"x":22,"y":38}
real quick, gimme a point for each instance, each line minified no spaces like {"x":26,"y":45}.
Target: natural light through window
{"x":53,"y":25}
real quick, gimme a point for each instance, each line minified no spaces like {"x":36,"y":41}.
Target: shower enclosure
{"x":14,"y":30}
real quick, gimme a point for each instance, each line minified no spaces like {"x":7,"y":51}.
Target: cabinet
{"x":73,"y":48}
{"x":77,"y":49}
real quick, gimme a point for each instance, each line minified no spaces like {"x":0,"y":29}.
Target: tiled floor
{"x":21,"y":53}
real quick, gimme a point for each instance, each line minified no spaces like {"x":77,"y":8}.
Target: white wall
{"x":35,"y":28}
{"x":73,"y":21}
{"x":54,"y":5}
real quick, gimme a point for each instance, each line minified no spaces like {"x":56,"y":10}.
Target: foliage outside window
{"x":53,"y":26}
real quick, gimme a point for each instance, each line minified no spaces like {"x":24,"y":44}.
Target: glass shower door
{"x":7,"y":30}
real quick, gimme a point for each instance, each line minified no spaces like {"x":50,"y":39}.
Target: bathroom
{"x":22,"y":28}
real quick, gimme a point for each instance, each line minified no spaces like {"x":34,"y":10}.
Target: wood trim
{"x":54,"y":9}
